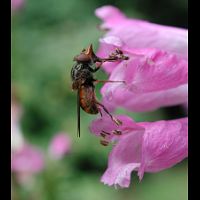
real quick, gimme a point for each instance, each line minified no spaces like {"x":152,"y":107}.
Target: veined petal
{"x":165,"y":143}
{"x":124,"y":158}
{"x":107,"y":125}
{"x":153,"y":79}
{"x":157,"y":70}
{"x":141,"y":34}
{"x":154,"y":147}
{"x":147,"y":101}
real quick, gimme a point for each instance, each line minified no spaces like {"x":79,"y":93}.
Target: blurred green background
{"x":45,"y":36}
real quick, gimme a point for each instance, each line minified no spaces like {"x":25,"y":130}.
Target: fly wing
{"x":78,"y":113}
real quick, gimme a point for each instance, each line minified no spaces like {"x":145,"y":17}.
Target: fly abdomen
{"x":88,"y":100}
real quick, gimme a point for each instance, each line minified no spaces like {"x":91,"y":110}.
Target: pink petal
{"x":60,"y":145}
{"x":124,"y":158}
{"x":147,"y":101}
{"x":106,"y":124}
{"x":27,"y":159}
{"x":165,"y":143}
{"x":141,"y":34}
{"x":17,"y":4}
{"x":157,"y":70}
{"x":154,"y":147}
{"x":109,"y":14}
{"x":153,"y":80}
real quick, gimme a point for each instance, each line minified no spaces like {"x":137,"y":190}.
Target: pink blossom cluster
{"x":27,"y":159}
{"x":156,"y":75}
{"x":60,"y":146}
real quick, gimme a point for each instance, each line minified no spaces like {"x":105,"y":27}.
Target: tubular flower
{"x":134,"y":33}
{"x":27,"y":161}
{"x":157,"y":68}
{"x":155,"y":75}
{"x":59,"y":146}
{"x":142,"y":147}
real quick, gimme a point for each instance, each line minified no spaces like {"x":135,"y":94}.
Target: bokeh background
{"x":45,"y":37}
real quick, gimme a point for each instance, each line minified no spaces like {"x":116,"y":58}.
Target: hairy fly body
{"x":87,"y":63}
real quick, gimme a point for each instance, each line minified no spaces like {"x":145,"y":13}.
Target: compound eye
{"x":82,"y":58}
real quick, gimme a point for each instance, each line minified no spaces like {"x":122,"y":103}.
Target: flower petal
{"x":110,"y":15}
{"x":124,"y":158}
{"x":60,"y":145}
{"x":107,"y":125}
{"x":147,"y":101}
{"x":154,"y":147}
{"x":141,"y":34}
{"x":157,"y":70}
{"x":27,"y":159}
{"x":153,"y":80}
{"x":165,"y":144}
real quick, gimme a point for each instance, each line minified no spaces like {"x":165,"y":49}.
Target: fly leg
{"x":108,"y":81}
{"x":100,"y":61}
{"x":117,"y":121}
{"x":105,"y":141}
{"x":100,"y":112}
{"x":98,"y":65}
{"x":117,"y":55}
{"x":113,"y":57}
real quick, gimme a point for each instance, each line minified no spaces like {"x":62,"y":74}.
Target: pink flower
{"x":156,"y":74}
{"x":27,"y":159}
{"x":134,"y":33}
{"x":60,"y":145}
{"x":153,"y":80}
{"x":142,"y":147}
{"x":17,"y":4}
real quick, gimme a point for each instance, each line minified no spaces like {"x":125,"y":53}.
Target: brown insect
{"x":83,"y":81}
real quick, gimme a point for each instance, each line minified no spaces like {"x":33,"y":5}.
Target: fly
{"x":87,"y":63}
